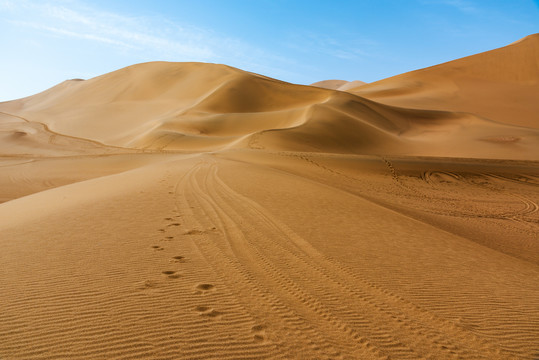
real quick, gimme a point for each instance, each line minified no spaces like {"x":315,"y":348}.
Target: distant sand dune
{"x":330,"y":84}
{"x":207,"y":107}
{"x":342,"y":85}
{"x":501,"y":85}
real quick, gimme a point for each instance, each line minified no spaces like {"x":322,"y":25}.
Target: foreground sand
{"x":308,"y":224}
{"x":253,"y":254}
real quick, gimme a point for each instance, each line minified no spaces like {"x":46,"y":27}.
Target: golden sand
{"x":197,"y":211}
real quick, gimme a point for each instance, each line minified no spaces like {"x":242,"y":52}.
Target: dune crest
{"x":500,"y":85}
{"x":330,"y":84}
{"x":209,"y":107}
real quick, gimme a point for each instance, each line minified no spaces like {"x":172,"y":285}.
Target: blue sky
{"x":45,"y":42}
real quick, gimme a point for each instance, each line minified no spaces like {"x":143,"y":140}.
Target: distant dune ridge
{"x":198,"y":211}
{"x":330,"y":84}
{"x":342,"y":85}
{"x":501,"y":85}
{"x":486,"y":104}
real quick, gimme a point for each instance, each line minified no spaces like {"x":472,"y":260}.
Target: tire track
{"x":526,"y":225}
{"x":521,"y":180}
{"x":378,"y":301}
{"x":429,"y":174}
{"x":214,"y":300}
{"x":194,"y":208}
{"x":249,"y":270}
{"x":321,"y":304}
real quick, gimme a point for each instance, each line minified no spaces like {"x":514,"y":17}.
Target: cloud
{"x":77,"y":20}
{"x":72,"y":34}
{"x":348,"y":47}
{"x":128,"y":39}
{"x":142,"y":38}
{"x":461,"y":5}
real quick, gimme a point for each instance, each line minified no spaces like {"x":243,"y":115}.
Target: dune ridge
{"x":500,"y":85}
{"x":330,"y":84}
{"x":198,"y":211}
{"x":194,"y":106}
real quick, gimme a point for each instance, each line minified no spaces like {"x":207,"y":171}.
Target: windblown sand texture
{"x":197,"y":211}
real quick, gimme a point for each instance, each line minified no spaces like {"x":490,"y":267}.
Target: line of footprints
{"x":172,"y":274}
{"x":258,"y":331}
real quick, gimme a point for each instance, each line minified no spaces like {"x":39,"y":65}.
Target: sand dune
{"x":208,"y":107}
{"x":197,"y":211}
{"x":330,"y":84}
{"x":500,"y":85}
{"x":342,"y":85}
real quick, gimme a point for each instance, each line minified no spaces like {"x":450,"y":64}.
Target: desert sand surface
{"x":198,"y":211}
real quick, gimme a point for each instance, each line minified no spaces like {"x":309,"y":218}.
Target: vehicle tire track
{"x":285,"y":326}
{"x":387,"y":307}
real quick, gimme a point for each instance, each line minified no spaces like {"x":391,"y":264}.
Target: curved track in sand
{"x":328,"y":317}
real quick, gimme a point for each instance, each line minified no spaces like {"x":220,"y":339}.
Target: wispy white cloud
{"x":144,"y":38}
{"x":6,"y":4}
{"x":130,"y":38}
{"x":464,"y":6}
{"x":77,"y":20}
{"x":348,"y":47}
{"x":169,"y":40}
{"x":72,"y":34}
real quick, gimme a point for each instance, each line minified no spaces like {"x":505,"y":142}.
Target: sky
{"x":43,"y":43}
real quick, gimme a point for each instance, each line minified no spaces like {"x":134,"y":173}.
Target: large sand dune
{"x":207,"y":107}
{"x":501,"y":85}
{"x":197,"y":211}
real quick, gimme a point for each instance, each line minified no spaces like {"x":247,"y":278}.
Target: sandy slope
{"x":350,"y":85}
{"x":196,"y":211}
{"x":330,"y":84}
{"x":500,"y":85}
{"x":342,"y":85}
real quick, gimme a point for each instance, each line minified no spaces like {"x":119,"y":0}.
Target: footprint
{"x":169,"y":237}
{"x":258,"y":328}
{"x":203,"y":288}
{"x":162,"y":230}
{"x":179,"y":258}
{"x":207,"y":311}
{"x":174,"y":224}
{"x":148,"y":284}
{"x":157,"y":248}
{"x":259,"y":332}
{"x":194,"y":232}
{"x":171,"y":274}
{"x":259,"y":338}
